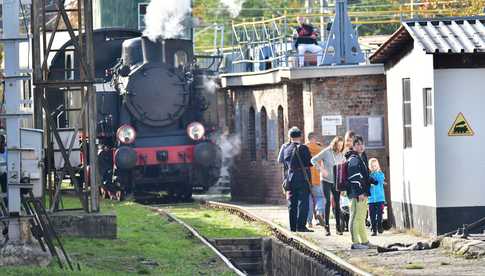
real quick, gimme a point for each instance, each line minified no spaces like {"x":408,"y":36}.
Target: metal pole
{"x":323,"y":5}
{"x":308,"y":6}
{"x":93,"y":147}
{"x":222,"y":38}
{"x":215,"y":37}
{"x":412,"y":8}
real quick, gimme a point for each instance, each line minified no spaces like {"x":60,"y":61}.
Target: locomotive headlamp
{"x":126,"y":134}
{"x":195,"y":131}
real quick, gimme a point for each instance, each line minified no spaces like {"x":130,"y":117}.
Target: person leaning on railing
{"x":306,"y":41}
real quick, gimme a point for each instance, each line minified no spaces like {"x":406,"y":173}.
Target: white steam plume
{"x":165,"y":18}
{"x":210,"y":85}
{"x":234,"y":7}
{"x":230,"y":146}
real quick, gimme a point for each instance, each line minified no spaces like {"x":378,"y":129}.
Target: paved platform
{"x":426,"y":262}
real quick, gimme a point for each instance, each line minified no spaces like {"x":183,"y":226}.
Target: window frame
{"x":428,"y":106}
{"x":366,"y":137}
{"x":141,"y":18}
{"x":407,"y":102}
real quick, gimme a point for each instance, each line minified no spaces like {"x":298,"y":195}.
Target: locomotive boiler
{"x":152,"y":122}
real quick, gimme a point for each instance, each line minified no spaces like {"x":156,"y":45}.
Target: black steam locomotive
{"x":152,"y":130}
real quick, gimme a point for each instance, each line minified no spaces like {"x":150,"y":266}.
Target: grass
{"x":147,"y":244}
{"x":212,"y":223}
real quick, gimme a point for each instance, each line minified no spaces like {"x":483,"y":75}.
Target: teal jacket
{"x":377,"y":190}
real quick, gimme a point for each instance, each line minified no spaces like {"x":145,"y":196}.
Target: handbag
{"x":285,"y":186}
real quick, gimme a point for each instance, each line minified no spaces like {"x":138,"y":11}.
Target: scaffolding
{"x":268,"y":44}
{"x":51,"y":18}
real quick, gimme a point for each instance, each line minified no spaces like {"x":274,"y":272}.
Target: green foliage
{"x":373,"y":17}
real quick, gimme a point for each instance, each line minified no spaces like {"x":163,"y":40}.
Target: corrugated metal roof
{"x":447,"y":35}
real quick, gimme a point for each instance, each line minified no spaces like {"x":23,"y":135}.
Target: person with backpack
{"x":295,"y":158}
{"x":330,"y":156}
{"x":358,"y":190}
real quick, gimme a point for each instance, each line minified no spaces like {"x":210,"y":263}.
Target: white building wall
{"x":412,"y":170}
{"x":461,"y":163}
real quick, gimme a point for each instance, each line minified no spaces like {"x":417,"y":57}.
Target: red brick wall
{"x":350,"y":96}
{"x":304,"y":103}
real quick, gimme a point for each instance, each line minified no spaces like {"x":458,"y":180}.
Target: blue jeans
{"x":316,"y":198}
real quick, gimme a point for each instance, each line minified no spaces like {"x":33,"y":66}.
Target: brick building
{"x":260,"y":107}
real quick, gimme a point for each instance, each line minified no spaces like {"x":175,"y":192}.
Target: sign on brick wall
{"x":330,"y":123}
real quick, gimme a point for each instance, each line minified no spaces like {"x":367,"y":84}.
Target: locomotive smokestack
{"x":152,"y":51}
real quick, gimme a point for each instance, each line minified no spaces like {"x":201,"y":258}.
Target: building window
{"x":406,"y":106}
{"x":69,"y":64}
{"x":264,"y":134}
{"x":142,"y":11}
{"x":371,"y":128}
{"x":252,"y":134}
{"x":281,"y":127}
{"x":428,"y":107}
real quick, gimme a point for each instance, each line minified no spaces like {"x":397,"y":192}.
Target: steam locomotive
{"x":153,"y":130}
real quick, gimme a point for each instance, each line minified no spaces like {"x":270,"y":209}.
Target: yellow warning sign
{"x":460,"y":127}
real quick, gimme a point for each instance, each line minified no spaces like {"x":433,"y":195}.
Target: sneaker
{"x":374,"y":233}
{"x":380,"y":230}
{"x":359,"y":246}
{"x":327,"y":230}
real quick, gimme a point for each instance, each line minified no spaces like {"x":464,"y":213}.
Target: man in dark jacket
{"x":306,"y":41}
{"x":358,"y":191}
{"x":295,"y":158}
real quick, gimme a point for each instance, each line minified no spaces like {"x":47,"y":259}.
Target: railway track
{"x":334,"y":263}
{"x":326,"y":258}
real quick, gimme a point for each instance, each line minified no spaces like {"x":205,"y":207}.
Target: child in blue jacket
{"x":377,"y":197}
